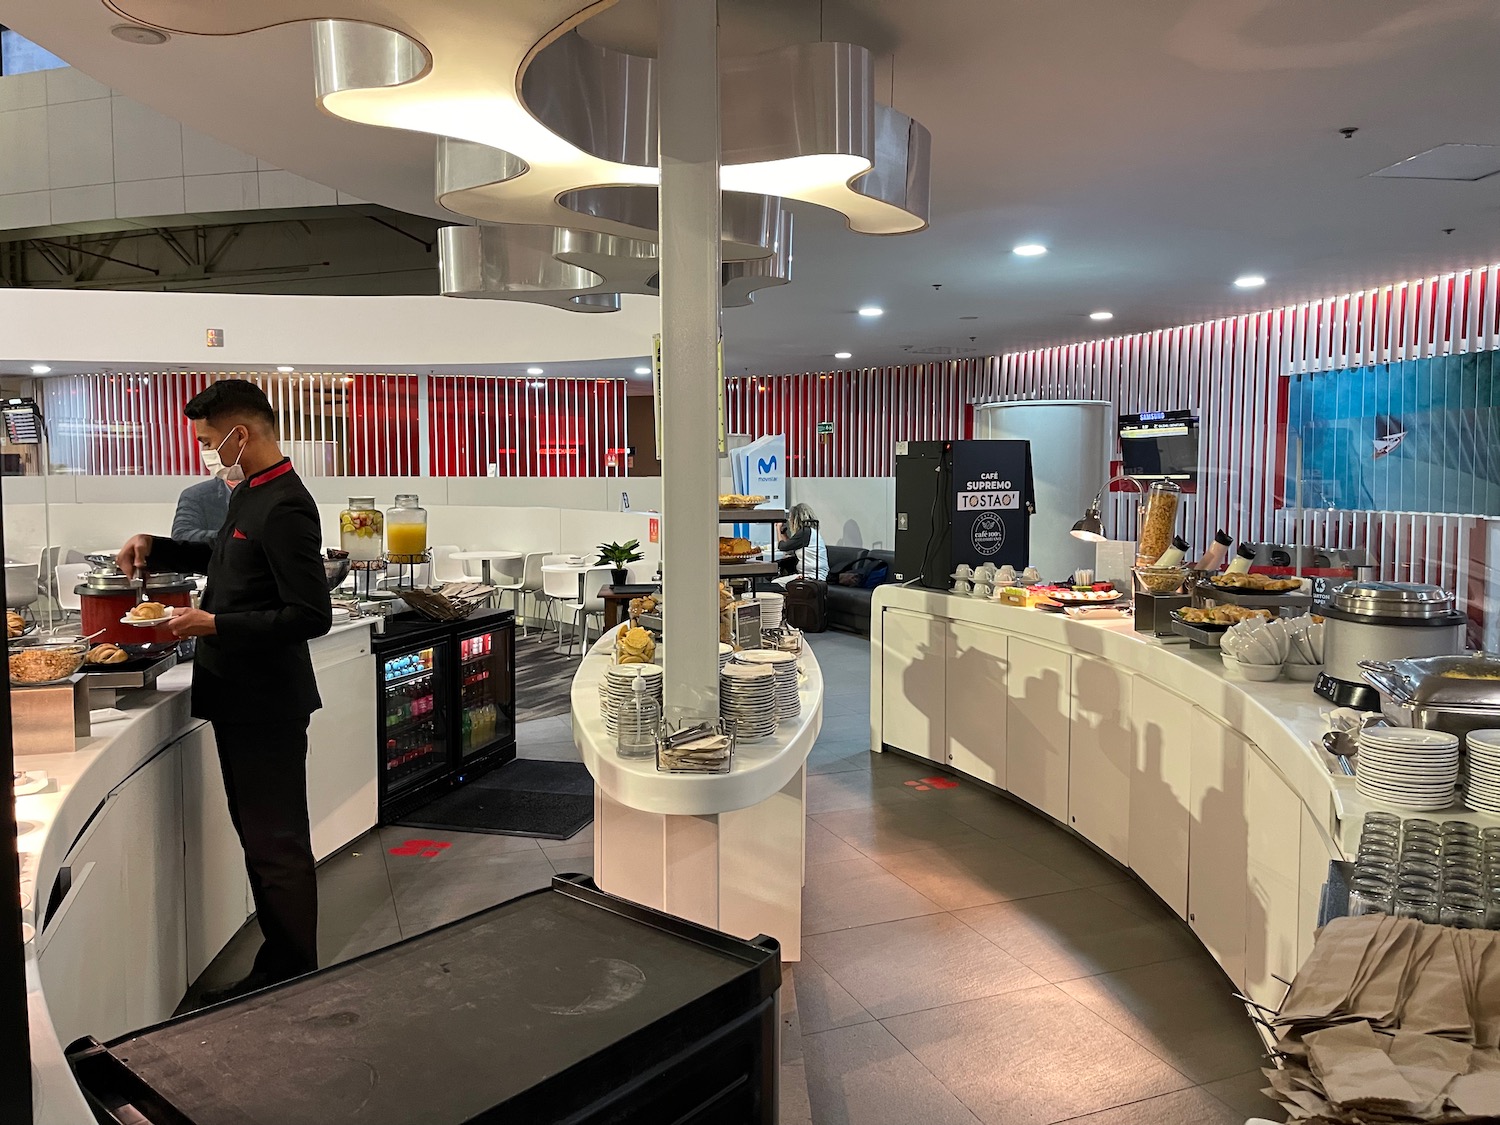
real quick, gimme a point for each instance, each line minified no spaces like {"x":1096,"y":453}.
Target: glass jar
{"x":1158,"y":521}
{"x":1462,"y":910}
{"x":406,"y":529}
{"x":360,"y":527}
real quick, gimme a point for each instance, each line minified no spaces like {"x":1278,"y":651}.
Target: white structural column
{"x":688,"y":96}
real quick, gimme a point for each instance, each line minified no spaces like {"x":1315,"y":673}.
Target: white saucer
{"x":152,"y":623}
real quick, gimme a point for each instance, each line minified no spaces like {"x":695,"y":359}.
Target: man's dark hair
{"x":233,"y":399}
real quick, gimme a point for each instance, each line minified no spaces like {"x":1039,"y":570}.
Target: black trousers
{"x":265,"y":779}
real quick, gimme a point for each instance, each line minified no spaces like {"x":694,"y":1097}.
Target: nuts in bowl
{"x":45,"y":664}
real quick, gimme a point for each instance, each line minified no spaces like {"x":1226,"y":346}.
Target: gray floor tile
{"x":916,"y":963}
{"x":1138,"y":898}
{"x":1181,"y":1107}
{"x":572,"y":865}
{"x":1034,"y":1056}
{"x":564,"y":751}
{"x":796,"y":1107}
{"x":1242,"y":1093}
{"x":822,"y":1003}
{"x":1071,"y":856}
{"x":851,"y":789}
{"x":824,"y":847}
{"x":857,"y":892}
{"x":1077,"y":934}
{"x":838,"y":758}
{"x":406,"y":848}
{"x":1180,"y":1010}
{"x":896,"y":824}
{"x":974,"y":873}
{"x":862,"y":1076}
{"x":425,"y":899}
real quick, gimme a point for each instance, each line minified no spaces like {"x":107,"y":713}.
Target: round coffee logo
{"x":988,"y":533}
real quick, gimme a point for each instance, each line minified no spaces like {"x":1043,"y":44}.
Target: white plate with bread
{"x":148,"y":615}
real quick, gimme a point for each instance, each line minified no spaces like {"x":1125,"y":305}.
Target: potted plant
{"x":619,"y":556}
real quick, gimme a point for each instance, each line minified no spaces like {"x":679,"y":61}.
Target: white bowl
{"x":1302,"y":673}
{"x":1262,"y":673}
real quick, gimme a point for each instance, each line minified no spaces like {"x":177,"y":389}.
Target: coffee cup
{"x":961,"y":586}
{"x":1006,"y":576}
{"x":963,"y":570}
{"x":1030,"y":576}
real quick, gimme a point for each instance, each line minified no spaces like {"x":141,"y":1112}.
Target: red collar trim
{"x":281,"y":468}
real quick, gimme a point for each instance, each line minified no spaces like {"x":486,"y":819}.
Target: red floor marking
{"x":923,"y":788}
{"x":941,"y":782}
{"x":913,"y":784}
{"x":427,"y":849}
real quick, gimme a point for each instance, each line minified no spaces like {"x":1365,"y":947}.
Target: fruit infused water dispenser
{"x":360,"y":527}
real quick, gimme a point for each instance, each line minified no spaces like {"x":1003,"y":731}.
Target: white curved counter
{"x":725,"y":850}
{"x":1215,"y":791}
{"x":130,"y":866}
{"x":761,"y":768}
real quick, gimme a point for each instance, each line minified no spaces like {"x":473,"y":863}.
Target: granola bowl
{"x":47,"y":663}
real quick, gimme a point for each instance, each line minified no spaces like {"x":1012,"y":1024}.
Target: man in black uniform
{"x":253,"y":677}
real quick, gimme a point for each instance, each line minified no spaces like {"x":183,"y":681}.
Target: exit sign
{"x":825,"y":428}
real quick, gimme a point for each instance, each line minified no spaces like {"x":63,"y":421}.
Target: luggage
{"x":806,"y":606}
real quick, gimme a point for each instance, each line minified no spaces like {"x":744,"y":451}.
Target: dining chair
{"x":67,"y":576}
{"x":505,"y":581}
{"x":445,"y":568}
{"x":588,"y":603}
{"x":560,"y":589}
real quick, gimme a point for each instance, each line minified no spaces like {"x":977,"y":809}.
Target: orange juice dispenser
{"x":406,"y":530}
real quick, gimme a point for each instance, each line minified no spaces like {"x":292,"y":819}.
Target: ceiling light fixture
{"x":843,"y":355}
{"x":872,"y":310}
{"x":643,"y":370}
{"x":533,"y":371}
{"x":1249,"y":281}
{"x":285,"y":370}
{"x":40,"y":369}
{"x":140,"y":36}
{"x":1029,"y":250}
{"x":1101,"y":315}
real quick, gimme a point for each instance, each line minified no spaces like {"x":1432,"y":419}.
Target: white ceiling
{"x":1159,"y":147}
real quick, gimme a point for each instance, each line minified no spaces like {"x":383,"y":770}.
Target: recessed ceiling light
{"x":1249,"y":281}
{"x":1029,"y":250}
{"x":533,"y":371}
{"x":285,"y":370}
{"x":140,"y":36}
{"x":643,"y":370}
{"x":872,"y":310}
{"x":1101,"y":315}
{"x":40,"y":369}
{"x":843,"y":355}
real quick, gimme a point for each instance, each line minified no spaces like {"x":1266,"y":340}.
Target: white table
{"x":486,"y":557}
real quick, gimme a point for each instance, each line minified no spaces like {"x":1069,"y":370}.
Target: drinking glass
{"x":1416,"y":902}
{"x":1419,"y":866}
{"x":1421,"y":845}
{"x":1462,"y":910}
{"x":1369,"y":894}
{"x":1490,"y":837}
{"x":1421,"y":824}
{"x":1463,"y":881}
{"x":1469,"y":857}
{"x":1419,"y":882}
{"x":1382,"y":819}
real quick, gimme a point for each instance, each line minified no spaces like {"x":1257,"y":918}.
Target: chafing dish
{"x":1456,"y":694}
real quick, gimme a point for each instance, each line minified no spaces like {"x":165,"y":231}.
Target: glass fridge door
{"x":414,"y":730}
{"x":487,"y":713}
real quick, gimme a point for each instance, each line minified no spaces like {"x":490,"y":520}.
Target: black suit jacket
{"x":267,"y":592}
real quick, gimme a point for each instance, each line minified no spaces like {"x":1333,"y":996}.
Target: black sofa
{"x":849,"y":606}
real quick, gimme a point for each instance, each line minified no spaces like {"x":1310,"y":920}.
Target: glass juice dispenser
{"x":406,"y":530}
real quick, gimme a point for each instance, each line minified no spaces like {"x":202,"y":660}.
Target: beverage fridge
{"x":446,"y":699}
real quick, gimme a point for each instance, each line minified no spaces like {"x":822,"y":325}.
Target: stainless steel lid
{"x":106,"y":576}
{"x":1392,"y":599}
{"x":1470,"y":681}
{"x":160,"y":580}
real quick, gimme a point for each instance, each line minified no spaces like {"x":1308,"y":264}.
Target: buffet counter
{"x":723,"y":850}
{"x":1215,"y":792}
{"x":131,"y":873}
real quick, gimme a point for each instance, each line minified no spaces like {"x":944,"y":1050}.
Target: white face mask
{"x":215,"y":464}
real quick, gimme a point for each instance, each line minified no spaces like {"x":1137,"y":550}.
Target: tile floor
{"x":964,"y":959}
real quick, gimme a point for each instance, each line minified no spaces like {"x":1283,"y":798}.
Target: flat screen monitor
{"x":1160,"y":443}
{"x":23,"y":424}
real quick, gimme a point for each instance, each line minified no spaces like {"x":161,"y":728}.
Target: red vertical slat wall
{"x":526,"y":427}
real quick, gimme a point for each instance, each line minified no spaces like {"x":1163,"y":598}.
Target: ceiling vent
{"x":1447,"y":162}
{"x":936,"y":349}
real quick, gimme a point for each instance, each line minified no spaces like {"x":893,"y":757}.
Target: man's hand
{"x":132,"y":557}
{"x":193,"y":623}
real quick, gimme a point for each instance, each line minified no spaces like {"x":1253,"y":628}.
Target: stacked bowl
{"x":1407,"y":767}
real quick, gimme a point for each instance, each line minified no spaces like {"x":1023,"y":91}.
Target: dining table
{"x":486,"y":558}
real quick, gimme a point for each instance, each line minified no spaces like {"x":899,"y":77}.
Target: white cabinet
{"x":914,"y":653}
{"x":342,"y":757}
{"x":1273,"y":814}
{"x":1101,"y":755}
{"x":1038,"y":692}
{"x":216,"y":888}
{"x":1317,"y":849}
{"x":1218,"y":842}
{"x":153,"y":930}
{"x":976,"y":701}
{"x":1160,"y":788}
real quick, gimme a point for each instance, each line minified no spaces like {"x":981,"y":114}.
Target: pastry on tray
{"x":15,"y":624}
{"x":1256,"y":583}
{"x":106,"y":654}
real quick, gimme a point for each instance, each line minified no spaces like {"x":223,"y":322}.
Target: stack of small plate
{"x":784,"y":664}
{"x":618,"y":687}
{"x":1482,"y":786}
{"x":1407,"y":767}
{"x":725,"y":652}
{"x":771,"y":606}
{"x":747,"y":698}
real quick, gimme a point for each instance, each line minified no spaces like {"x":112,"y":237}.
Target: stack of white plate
{"x":1482,"y":787}
{"x":771,"y":606}
{"x":1407,"y":767}
{"x":725,"y":652}
{"x":784,"y":664}
{"x":747,"y":698}
{"x":618,"y":687}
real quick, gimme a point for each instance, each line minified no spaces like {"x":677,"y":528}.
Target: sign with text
{"x":825,"y":427}
{"x":993,"y":498}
